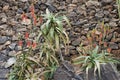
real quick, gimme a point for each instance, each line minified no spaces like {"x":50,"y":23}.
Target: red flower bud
{"x":109,"y":50}
{"x":20,"y":43}
{"x":28,"y":43}
{"x":26,"y":35}
{"x":34,"y":45}
{"x":24,"y":17}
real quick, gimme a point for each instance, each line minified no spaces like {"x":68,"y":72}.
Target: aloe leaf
{"x":51,"y":32}
{"x":59,"y":23}
{"x":98,"y":67}
{"x":66,"y":19}
{"x":57,"y":41}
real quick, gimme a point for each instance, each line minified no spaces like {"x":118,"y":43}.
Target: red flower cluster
{"x":29,"y":43}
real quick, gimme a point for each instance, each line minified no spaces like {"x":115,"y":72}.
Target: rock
{"x":6,"y":7}
{"x":12,"y":53}
{"x":112,"y":24}
{"x":71,"y":47}
{"x":10,"y":62}
{"x":4,"y":20}
{"x":21,"y":29}
{"x":3,"y":39}
{"x":77,"y":30}
{"x":81,"y":10}
{"x":12,"y":46}
{"x":4,"y":26}
{"x":3,"y":57}
{"x":73,"y":52}
{"x":113,"y":46}
{"x":9,"y":32}
{"x":69,"y":1}
{"x":109,"y":37}
{"x":104,"y":2}
{"x":75,"y":1}
{"x":92,"y":3}
{"x":7,"y":43}
{"x":108,"y":72}
{"x":24,"y":0}
{"x":26,"y":22}
{"x":99,"y":15}
{"x":76,"y":42}
{"x":83,"y":21}
{"x":71,"y":7}
{"x":3,"y":74}
{"x":5,"y":52}
{"x":14,"y":38}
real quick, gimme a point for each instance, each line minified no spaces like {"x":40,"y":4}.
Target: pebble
{"x":3,"y":39}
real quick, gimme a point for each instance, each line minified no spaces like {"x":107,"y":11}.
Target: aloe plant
{"x":93,"y":59}
{"x":52,"y":30}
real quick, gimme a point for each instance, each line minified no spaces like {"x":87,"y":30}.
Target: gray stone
{"x":3,"y":57}
{"x":3,"y":73}
{"x":3,"y":39}
{"x":12,"y":46}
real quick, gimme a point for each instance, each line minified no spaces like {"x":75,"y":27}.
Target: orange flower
{"x":32,"y":11}
{"x":20,"y":43}
{"x":28,"y":43}
{"x":26,"y":35}
{"x":109,"y":50}
{"x":34,"y":45}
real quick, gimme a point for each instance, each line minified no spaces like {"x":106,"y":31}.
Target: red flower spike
{"x":20,"y":43}
{"x":109,"y":50}
{"x":26,"y":35}
{"x":32,"y":11}
{"x":28,"y":43}
{"x":34,"y":45}
{"x":34,"y":20}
